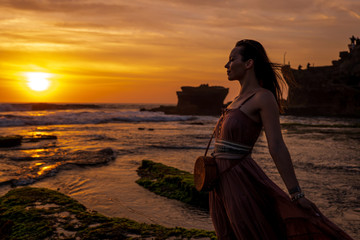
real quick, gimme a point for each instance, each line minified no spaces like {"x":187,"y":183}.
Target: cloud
{"x":176,"y":18}
{"x":66,"y":6}
{"x":181,"y":40}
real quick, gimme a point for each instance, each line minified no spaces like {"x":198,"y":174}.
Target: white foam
{"x":62,"y":117}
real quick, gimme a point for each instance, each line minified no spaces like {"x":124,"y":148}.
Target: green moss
{"x":37,"y":213}
{"x":125,"y":228}
{"x":172,"y":183}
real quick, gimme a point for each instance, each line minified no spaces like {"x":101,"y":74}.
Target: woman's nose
{"x":227,"y":65}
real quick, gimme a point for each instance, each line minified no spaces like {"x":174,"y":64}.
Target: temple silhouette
{"x":327,"y":90}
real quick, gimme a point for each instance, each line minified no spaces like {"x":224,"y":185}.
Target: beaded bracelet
{"x":298,"y":196}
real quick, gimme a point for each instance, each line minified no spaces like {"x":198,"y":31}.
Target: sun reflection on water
{"x":46,"y":169}
{"x":37,"y":114}
{"x":36,"y":153}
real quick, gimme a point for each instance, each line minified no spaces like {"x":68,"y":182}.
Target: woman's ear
{"x":249,"y":63}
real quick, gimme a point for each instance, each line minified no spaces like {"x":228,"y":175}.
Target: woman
{"x":246,"y":204}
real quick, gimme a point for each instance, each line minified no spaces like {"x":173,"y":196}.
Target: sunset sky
{"x":143,"y":51}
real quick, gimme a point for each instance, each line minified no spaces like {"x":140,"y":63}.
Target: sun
{"x":38,"y":81}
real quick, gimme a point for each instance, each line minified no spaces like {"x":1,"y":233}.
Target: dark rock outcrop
{"x":327,"y":90}
{"x":202,"y":100}
{"x":10,"y":141}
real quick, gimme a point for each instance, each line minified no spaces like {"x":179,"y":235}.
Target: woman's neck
{"x":247,"y":88}
{"x":249,"y":82}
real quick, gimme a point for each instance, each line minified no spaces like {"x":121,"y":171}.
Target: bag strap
{"x":234,"y":163}
{"x":207,"y":148}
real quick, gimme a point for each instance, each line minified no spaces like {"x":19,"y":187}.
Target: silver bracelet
{"x":298,"y":196}
{"x":295,"y":189}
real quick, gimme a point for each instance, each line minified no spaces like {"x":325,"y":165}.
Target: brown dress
{"x":247,"y":205}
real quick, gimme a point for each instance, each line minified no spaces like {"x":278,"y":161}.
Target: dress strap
{"x":247,"y":99}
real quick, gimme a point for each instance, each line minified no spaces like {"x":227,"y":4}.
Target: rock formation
{"x":202,"y":100}
{"x":10,"y":141}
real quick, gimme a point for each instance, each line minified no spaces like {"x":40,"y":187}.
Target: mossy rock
{"x":10,"y":141}
{"x":172,"y":183}
{"x":40,"y":213}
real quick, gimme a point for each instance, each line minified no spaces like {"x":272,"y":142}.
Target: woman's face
{"x":235,"y":66}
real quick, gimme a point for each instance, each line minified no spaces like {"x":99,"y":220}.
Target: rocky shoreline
{"x":40,"y":213}
{"x":172,"y":183}
{"x":47,"y":161}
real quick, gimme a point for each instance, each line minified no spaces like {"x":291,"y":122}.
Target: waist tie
{"x":223,"y":146}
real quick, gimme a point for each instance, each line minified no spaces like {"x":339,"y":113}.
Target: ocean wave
{"x":98,"y":137}
{"x":337,"y":168}
{"x":86,"y":117}
{"x":177,"y":147}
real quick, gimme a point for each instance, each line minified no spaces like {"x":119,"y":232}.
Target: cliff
{"x":327,"y":90}
{"x":201,"y":100}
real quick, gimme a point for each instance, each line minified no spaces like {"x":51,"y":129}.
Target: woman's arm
{"x":269,"y":114}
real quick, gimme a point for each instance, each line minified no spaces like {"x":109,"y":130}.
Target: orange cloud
{"x":143,"y":51}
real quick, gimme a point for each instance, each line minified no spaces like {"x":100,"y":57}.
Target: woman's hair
{"x":265,"y":71}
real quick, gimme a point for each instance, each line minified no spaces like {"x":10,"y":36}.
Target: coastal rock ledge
{"x":40,"y":213}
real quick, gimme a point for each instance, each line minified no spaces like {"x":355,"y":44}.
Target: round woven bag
{"x":205,"y":173}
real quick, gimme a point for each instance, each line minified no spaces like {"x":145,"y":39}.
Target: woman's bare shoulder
{"x":263,"y":92}
{"x":264,"y":101}
{"x":265,"y":96}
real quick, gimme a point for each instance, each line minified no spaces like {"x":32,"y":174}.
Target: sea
{"x":91,"y":152}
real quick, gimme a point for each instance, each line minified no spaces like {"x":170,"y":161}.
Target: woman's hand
{"x":308,"y":205}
